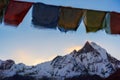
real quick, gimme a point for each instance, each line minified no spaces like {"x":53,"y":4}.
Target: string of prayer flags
{"x":3,"y":4}
{"x":16,"y":11}
{"x":45,"y":16}
{"x":69,"y":18}
{"x":93,"y":20}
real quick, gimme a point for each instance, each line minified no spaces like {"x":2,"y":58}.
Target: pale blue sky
{"x":31,"y":46}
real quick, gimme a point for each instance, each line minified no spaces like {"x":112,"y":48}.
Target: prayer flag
{"x":69,"y":18}
{"x":115,"y":22}
{"x":16,"y":11}
{"x":45,"y":16}
{"x":93,"y":20}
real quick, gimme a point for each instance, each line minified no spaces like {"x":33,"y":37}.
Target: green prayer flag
{"x":107,"y":23}
{"x":3,"y":5}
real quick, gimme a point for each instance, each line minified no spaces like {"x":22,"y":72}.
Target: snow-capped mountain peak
{"x":91,"y":59}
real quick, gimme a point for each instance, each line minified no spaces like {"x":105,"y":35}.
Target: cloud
{"x":22,"y":56}
{"x":70,"y":49}
{"x":29,"y":58}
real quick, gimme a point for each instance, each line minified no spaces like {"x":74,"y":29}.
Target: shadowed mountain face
{"x":89,"y":63}
{"x":114,"y":76}
{"x":91,"y":59}
{"x":4,"y":65}
{"x":19,"y":77}
{"x":85,"y":77}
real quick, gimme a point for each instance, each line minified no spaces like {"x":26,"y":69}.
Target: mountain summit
{"x":90,"y":60}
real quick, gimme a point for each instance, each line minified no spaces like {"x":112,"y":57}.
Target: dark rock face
{"x":85,"y":77}
{"x":114,"y":76}
{"x":18,"y":77}
{"x":87,"y":48}
{"x":113,"y":61}
{"x":6,"y":64}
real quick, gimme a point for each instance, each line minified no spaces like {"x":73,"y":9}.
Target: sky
{"x":31,"y":46}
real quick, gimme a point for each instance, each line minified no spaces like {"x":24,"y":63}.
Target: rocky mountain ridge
{"x":90,"y":60}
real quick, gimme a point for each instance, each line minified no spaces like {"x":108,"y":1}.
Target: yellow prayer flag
{"x":69,"y":18}
{"x":93,"y":20}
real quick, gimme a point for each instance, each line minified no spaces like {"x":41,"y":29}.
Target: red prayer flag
{"x":16,"y":11}
{"x":115,"y":22}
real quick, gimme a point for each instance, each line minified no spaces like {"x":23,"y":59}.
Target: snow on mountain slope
{"x":95,"y":60}
{"x":91,"y":59}
{"x":100,"y":50}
